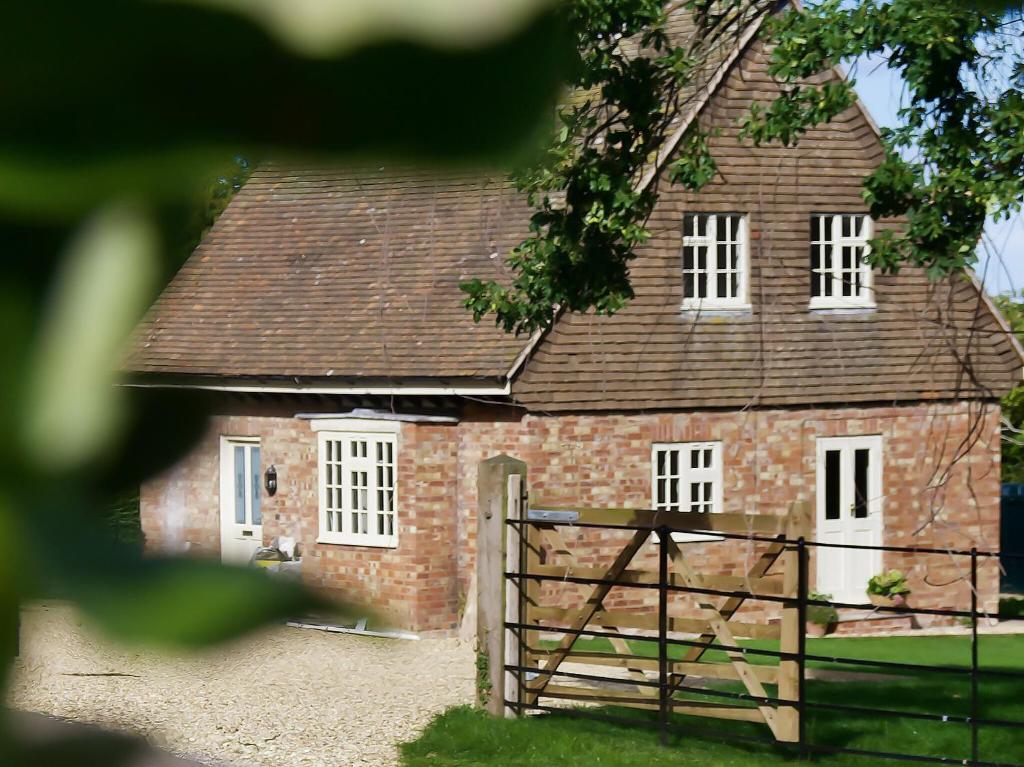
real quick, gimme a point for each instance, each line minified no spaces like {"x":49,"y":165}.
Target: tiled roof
{"x":922,"y":341}
{"x":332,"y":275}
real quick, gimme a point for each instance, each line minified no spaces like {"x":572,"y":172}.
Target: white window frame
{"x":688,"y":475}
{"x":345,"y":432}
{"x":711,"y":240}
{"x":866,"y":297}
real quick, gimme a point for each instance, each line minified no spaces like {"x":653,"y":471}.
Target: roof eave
{"x":449,"y":386}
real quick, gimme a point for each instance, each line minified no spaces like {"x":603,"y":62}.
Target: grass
{"x":463,"y":737}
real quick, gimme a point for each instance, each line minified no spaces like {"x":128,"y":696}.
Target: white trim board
{"x":414,"y":390}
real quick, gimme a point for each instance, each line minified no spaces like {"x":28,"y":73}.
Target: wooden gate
{"x":583,"y":591}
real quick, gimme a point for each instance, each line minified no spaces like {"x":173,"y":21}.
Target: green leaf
{"x":191,"y":603}
{"x":321,"y":27}
{"x":138,"y":97}
{"x":75,"y":410}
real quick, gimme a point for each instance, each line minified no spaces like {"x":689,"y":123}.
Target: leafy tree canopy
{"x":956,"y":158}
{"x":1012,"y":307}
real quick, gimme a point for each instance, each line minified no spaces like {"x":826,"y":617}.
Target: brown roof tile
{"x":317,"y":274}
{"x":653,"y":355}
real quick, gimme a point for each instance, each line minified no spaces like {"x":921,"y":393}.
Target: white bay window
{"x":358,"y":486}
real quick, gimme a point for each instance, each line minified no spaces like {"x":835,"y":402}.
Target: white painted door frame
{"x":845,"y":467}
{"x":240,"y":533}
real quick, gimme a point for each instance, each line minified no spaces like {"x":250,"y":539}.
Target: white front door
{"x":849,"y":490}
{"x":241,"y":531}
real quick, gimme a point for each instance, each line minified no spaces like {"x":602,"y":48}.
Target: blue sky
{"x":879,"y":89}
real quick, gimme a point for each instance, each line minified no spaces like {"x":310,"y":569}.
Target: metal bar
{"x":778,"y":539}
{"x":732,"y":736}
{"x":663,"y":691}
{"x":520,"y":675}
{"x":801,"y":662}
{"x":845,"y":708}
{"x":974,"y":656}
{"x":676,"y":727}
{"x":743,"y":595}
{"x":790,"y":656}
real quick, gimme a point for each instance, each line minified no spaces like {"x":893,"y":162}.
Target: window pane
{"x":815,"y":271}
{"x":240,"y":484}
{"x":826,"y":265}
{"x":254,"y":460}
{"x":689,"y":286}
{"x":861,"y":460}
{"x":832,"y":484}
{"x":688,"y":222}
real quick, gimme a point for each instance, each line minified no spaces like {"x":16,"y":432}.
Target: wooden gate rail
{"x":534,"y":552}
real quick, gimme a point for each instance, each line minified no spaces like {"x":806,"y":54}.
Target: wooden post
{"x":497,"y":599}
{"x":788,"y":717}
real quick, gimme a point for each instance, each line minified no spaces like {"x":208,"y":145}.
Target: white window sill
{"x":372,"y":541}
{"x":697,"y":307}
{"x":841,"y":307}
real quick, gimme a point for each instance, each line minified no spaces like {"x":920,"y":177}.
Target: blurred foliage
{"x":122,"y":518}
{"x":957,"y":156}
{"x":217,"y":193}
{"x":1012,"y":307}
{"x":119,"y":116}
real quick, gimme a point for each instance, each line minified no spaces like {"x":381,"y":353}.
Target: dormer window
{"x":715,"y":261}
{"x":840,"y":276}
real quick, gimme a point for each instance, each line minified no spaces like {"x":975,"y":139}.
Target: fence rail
{"x":533,"y":674}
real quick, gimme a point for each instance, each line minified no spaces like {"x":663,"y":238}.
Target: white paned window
{"x":715,"y":261}
{"x":687,"y":476}
{"x":357,"y":489}
{"x":840,"y":276}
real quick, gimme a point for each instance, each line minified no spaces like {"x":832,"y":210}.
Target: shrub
{"x":821,"y":614}
{"x":890,"y":584}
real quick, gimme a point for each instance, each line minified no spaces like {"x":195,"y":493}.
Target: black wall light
{"x":270,"y":480}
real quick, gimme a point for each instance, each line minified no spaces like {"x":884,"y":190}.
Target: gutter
{"x":413,"y":390}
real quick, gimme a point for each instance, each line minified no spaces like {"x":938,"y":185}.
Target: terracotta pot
{"x":899,"y":600}
{"x":818,"y":629}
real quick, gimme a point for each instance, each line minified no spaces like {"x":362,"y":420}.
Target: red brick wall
{"x":412,"y":585}
{"x":769,"y":461}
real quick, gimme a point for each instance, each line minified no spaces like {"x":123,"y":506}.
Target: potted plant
{"x":821,"y":619}
{"x":888,"y":589}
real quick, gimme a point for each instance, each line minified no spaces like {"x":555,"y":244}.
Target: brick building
{"x":761,"y":362}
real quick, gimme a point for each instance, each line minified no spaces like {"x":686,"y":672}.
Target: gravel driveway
{"x":284,"y":697}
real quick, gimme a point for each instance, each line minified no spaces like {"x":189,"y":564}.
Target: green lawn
{"x":463,"y":737}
